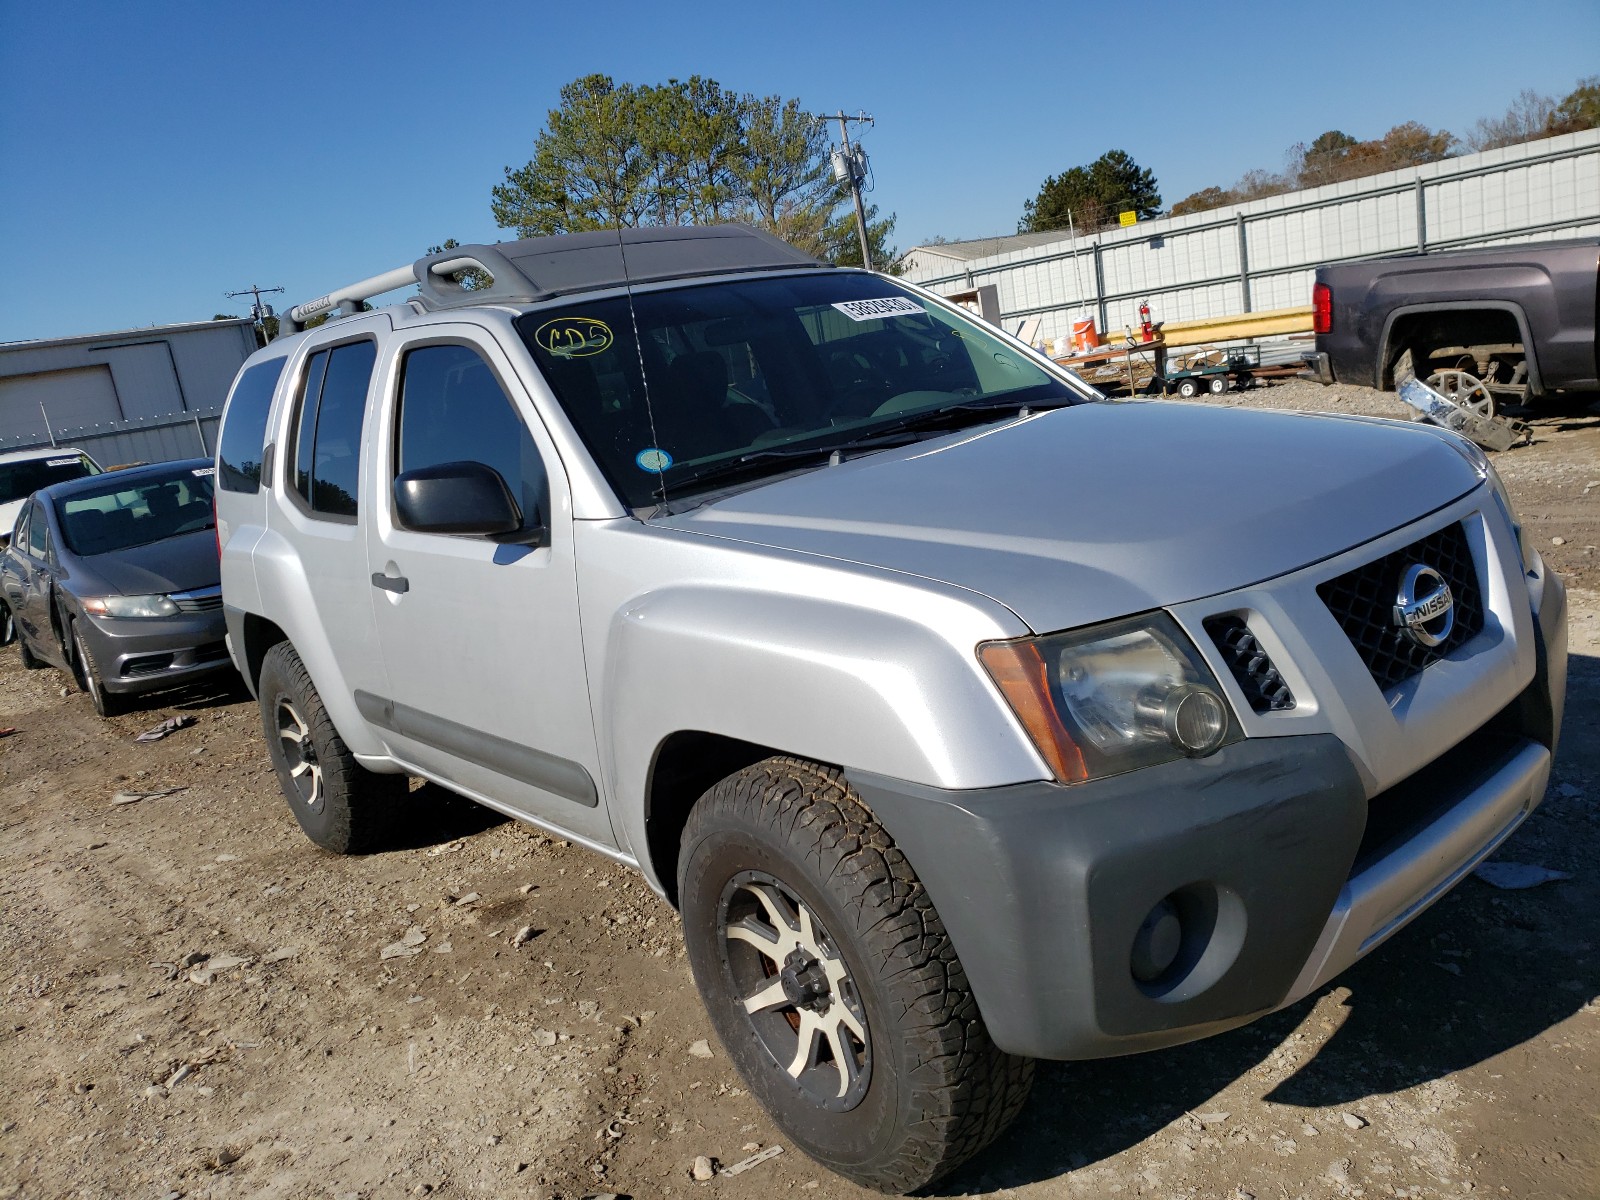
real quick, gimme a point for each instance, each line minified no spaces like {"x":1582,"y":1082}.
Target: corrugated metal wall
{"x":1262,"y":255}
{"x":147,"y":439}
{"x":171,"y":369}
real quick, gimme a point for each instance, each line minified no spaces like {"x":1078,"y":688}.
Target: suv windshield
{"x":19,"y":480}
{"x":755,"y":373}
{"x":137,"y":512}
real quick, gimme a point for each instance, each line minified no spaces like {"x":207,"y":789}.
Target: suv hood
{"x":1097,"y":511}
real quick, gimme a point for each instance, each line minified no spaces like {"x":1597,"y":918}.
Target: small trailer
{"x":1214,"y":371}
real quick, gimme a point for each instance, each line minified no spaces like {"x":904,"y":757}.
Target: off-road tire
{"x":351,"y":808}
{"x":937,"y":1089}
{"x":88,"y":676}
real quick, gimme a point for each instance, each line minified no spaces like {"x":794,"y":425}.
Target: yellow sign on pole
{"x":1128,"y":218}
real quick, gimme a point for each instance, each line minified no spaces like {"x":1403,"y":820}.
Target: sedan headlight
{"x":130,"y":606}
{"x":1112,"y":698}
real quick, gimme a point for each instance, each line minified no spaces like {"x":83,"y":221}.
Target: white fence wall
{"x":1263,"y":255}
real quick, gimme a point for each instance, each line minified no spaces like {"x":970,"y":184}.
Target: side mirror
{"x":468,"y":499}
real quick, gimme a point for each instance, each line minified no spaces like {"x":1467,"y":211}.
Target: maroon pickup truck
{"x":1519,"y":318}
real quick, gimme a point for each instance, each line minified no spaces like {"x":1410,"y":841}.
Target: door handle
{"x":391,"y":583}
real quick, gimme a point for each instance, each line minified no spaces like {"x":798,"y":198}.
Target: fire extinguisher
{"x":1145,"y":328}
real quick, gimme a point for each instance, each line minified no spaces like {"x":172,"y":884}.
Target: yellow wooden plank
{"x":1237,"y":326}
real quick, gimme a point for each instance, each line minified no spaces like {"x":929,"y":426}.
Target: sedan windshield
{"x":127,"y":513}
{"x":759,"y":376}
{"x":19,"y":480}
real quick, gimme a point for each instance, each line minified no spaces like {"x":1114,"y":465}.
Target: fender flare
{"x":1535,"y":381}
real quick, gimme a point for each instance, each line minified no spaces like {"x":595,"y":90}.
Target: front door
{"x":481,"y":640}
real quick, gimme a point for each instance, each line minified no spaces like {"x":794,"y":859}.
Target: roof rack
{"x":537,"y":269}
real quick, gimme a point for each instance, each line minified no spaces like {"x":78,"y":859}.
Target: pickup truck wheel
{"x":832,"y":983}
{"x":340,"y":805}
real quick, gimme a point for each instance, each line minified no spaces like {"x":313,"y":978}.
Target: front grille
{"x":210,"y":652}
{"x":147,"y":664}
{"x":1250,"y":664}
{"x":1363,"y":603}
{"x":193,"y":602}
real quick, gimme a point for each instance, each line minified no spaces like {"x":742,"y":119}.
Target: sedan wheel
{"x":88,"y":676}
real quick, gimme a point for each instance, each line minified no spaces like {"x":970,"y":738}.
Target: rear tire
{"x":339,"y":804}
{"x":1218,"y":384}
{"x":8,"y":625}
{"x":30,"y":660}
{"x":832,"y":983}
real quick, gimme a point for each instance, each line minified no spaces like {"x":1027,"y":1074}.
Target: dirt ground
{"x":196,"y":1003}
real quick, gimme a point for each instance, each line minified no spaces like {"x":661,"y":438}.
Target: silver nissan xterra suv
{"x":966,"y":717}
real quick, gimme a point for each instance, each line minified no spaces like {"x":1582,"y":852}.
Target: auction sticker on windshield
{"x":874,"y":310}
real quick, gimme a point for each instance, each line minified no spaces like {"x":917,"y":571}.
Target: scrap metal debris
{"x":755,"y":1160}
{"x":171,"y":725}
{"x":135,"y":797}
{"x":1492,"y":433}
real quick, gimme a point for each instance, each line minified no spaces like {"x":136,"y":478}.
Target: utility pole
{"x":257,"y":310}
{"x":850,"y":166}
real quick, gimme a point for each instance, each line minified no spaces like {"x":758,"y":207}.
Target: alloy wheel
{"x":796,"y":990}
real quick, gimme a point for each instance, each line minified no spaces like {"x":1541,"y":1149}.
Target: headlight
{"x":1502,"y":499}
{"x":1113,"y":698}
{"x":130,"y":606}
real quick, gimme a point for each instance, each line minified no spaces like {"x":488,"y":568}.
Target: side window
{"x":327,"y":451}
{"x":452,"y":409}
{"x":38,"y":534}
{"x":244,"y":428}
{"x":19,"y":535}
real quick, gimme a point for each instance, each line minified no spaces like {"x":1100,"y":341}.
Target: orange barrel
{"x":1084,"y":336}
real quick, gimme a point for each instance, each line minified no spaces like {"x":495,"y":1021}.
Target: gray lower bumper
{"x":149,"y":655}
{"x":1283,"y":872}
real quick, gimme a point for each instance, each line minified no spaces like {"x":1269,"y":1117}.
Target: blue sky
{"x":154,"y":156}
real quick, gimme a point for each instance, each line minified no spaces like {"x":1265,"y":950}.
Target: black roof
{"x":542,"y":268}
{"x":130,"y":475}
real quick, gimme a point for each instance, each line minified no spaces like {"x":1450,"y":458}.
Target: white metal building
{"x":1261,"y":256}
{"x":56,"y":385}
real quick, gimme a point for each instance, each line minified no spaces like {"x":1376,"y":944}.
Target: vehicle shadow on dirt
{"x":436,"y":815}
{"x":1479,"y":974}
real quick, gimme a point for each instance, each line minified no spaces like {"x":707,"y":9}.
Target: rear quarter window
{"x":244,"y":428}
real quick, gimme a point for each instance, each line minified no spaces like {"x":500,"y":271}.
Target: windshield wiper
{"x":953,"y":416}
{"x":752,"y":462}
{"x":880,"y":436}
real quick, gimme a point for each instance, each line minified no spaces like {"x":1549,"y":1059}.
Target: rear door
{"x":484,"y":654}
{"x":318,"y":527}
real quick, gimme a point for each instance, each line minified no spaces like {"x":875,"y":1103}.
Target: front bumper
{"x":1283,"y":872}
{"x":148,"y":654}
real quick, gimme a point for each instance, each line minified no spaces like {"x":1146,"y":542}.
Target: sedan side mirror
{"x":468,"y":499}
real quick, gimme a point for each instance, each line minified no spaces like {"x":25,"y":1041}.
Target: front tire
{"x":87,"y":674}
{"x":339,"y":804}
{"x":832,"y":983}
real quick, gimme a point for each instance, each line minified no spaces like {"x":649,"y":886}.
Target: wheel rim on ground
{"x":796,"y":990}
{"x":300,"y":754}
{"x":1464,"y":390}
